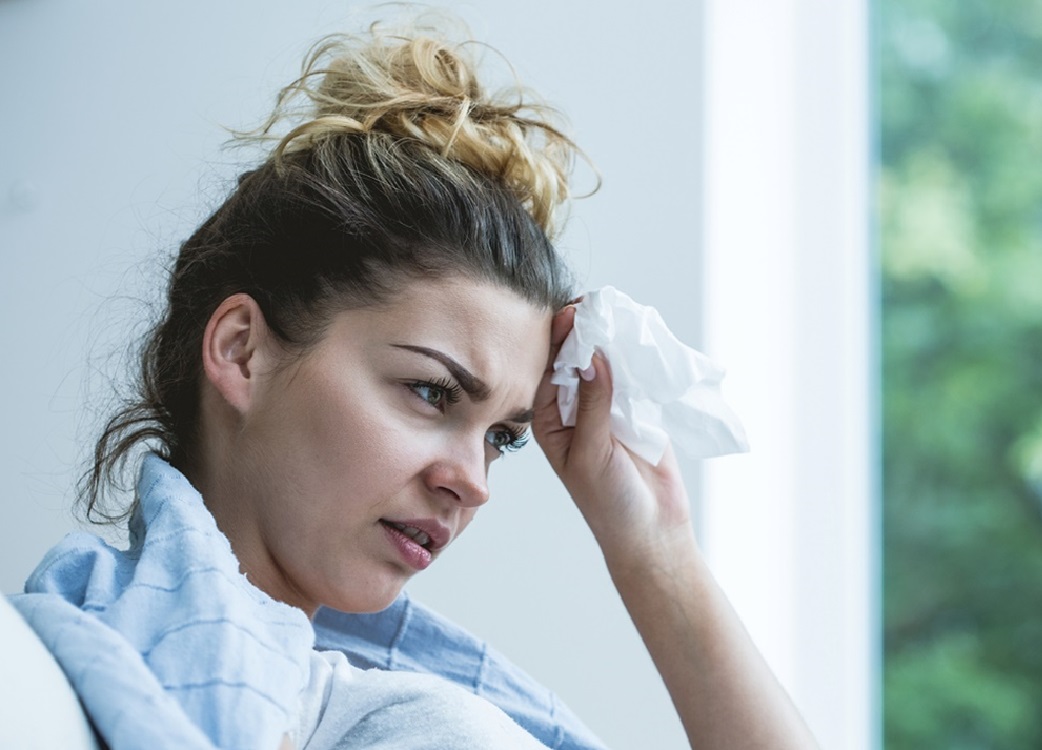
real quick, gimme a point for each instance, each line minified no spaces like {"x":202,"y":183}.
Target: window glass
{"x":961,"y":243}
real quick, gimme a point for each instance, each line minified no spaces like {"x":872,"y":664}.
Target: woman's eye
{"x":429,"y":393}
{"x":436,"y":394}
{"x":506,"y":440}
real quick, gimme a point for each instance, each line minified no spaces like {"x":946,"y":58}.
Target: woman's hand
{"x":636,"y":511}
{"x":725,"y":694}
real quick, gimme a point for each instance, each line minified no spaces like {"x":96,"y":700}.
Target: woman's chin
{"x":365,"y":603}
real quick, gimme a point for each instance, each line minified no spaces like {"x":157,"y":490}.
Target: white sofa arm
{"x":38,"y":707}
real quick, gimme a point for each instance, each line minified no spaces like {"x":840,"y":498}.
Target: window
{"x":961,"y":238}
{"x":790,"y":528}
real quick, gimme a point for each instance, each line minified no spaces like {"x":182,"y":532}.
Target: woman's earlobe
{"x":231,"y":343}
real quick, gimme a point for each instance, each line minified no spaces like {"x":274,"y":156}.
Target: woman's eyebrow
{"x":474,"y":386}
{"x":524,"y":417}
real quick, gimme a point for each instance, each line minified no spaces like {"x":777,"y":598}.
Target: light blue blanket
{"x":409,"y":636}
{"x":194,"y":656}
{"x":168,"y":645}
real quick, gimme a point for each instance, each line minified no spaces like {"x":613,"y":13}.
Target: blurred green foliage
{"x":960,"y":102}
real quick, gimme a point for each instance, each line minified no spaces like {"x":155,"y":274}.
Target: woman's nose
{"x":462,"y":473}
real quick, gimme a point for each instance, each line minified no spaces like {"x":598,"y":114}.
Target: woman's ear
{"x":234,"y":349}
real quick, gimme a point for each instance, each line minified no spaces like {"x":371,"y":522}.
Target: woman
{"x":365,"y":324}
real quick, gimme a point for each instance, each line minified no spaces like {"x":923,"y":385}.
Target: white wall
{"x":109,"y":156}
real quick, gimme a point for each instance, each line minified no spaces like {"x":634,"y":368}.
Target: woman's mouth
{"x":422,"y":538}
{"x":416,"y":546}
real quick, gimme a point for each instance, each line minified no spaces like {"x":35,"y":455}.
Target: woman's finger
{"x":561,"y":327}
{"x":593,"y":416}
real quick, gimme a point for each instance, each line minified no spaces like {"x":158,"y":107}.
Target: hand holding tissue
{"x":662,"y":390}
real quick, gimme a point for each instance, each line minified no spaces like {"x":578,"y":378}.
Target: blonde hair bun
{"x":414,"y":84}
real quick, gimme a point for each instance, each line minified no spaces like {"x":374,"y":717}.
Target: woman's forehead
{"x":478,"y":323}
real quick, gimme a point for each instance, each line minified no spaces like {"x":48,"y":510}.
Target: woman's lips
{"x":410,"y":549}
{"x":418,"y":535}
{"x":427,"y":532}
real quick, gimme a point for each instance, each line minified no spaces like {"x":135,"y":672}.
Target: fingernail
{"x":589,"y":373}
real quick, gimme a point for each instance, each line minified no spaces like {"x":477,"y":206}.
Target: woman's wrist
{"x":661,"y":558}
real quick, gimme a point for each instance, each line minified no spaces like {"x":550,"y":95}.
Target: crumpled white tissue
{"x":663,"y":390}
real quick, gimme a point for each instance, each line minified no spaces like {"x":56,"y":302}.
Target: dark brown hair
{"x":403,"y":169}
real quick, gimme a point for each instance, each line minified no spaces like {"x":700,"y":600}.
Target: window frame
{"x":792,"y":528}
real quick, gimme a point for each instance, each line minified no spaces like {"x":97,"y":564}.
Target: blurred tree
{"x":961,"y":238}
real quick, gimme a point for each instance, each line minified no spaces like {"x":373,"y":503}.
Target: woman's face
{"x":359,"y":463}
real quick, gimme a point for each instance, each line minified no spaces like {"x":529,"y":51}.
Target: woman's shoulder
{"x":78,"y":566}
{"x":411,"y":637}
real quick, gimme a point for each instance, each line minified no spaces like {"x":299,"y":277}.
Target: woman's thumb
{"x":593,"y":415}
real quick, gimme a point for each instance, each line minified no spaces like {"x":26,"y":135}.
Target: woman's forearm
{"x":640,"y":514}
{"x":724,"y":692}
